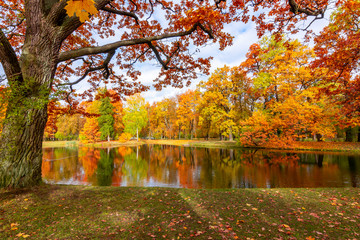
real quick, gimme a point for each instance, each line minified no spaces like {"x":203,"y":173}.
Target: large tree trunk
{"x":21,"y":146}
{"x":30,"y":79}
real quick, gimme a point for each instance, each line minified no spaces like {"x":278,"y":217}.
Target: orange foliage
{"x":186,"y":113}
{"x":91,"y":131}
{"x":3,"y":106}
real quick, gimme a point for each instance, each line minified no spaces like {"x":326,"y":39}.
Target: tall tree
{"x":42,"y":45}
{"x":337,"y":49}
{"x":186,"y":114}
{"x":135,"y":115}
{"x":106,"y":119}
{"x":288,"y":98}
{"x":91,"y":131}
{"x":223,"y":103}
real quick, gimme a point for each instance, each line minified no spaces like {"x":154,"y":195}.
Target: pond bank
{"x":297,"y":146}
{"x":71,"y":212}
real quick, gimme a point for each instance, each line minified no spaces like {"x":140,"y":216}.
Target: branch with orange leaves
{"x":115,"y":45}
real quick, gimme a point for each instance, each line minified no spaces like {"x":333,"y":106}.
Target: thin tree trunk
{"x":348,"y":135}
{"x":137,"y":134}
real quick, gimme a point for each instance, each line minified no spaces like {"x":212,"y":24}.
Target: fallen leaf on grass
{"x":14,"y":226}
{"x":314,"y":215}
{"x":23,"y":235}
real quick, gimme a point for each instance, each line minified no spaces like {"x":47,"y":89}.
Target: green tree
{"x":135,"y":115}
{"x":106,"y":119}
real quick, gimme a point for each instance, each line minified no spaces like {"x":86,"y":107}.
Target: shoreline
{"x":348,"y":147}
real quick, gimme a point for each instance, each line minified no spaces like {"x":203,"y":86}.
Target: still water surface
{"x":188,"y":167}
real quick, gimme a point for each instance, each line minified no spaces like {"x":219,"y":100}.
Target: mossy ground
{"x":83,"y":212}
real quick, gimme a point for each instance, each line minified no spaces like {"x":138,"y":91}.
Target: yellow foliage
{"x":81,"y":8}
{"x":124,"y":137}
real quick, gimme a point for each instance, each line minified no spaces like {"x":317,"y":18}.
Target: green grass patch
{"x":73,"y":212}
{"x":53,"y":144}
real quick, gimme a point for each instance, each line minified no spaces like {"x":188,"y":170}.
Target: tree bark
{"x":21,"y":146}
{"x":26,"y":115}
{"x":348,"y":135}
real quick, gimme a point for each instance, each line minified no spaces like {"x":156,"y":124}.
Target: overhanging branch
{"x":119,"y":12}
{"x":113,"y":46}
{"x":296,"y":9}
{"x":92,"y":69}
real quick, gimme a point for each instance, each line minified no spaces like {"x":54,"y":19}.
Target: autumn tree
{"x":91,"y":131}
{"x":106,"y":119}
{"x":186,"y":113}
{"x":288,"y":98}
{"x":162,"y":118}
{"x":69,"y":126}
{"x":337,"y":49}
{"x":135,"y":115}
{"x":224,"y":101}
{"x":44,"y":43}
{"x":118,"y":116}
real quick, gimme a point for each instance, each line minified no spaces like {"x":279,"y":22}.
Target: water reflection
{"x":158,"y":165}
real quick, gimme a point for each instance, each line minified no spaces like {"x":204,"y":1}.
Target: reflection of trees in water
{"x":105,"y":167}
{"x":354,"y":171}
{"x":89,"y":157}
{"x":134,"y":169}
{"x":200,"y":167}
{"x":59,"y":164}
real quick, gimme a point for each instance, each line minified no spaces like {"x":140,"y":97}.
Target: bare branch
{"x":138,"y":57}
{"x":92,"y":69}
{"x":167,"y":8}
{"x":158,"y":57}
{"x":119,"y":12}
{"x":296,"y":9}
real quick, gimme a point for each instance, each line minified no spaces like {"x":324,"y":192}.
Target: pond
{"x":190,"y":167}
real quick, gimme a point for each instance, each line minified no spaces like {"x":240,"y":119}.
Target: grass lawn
{"x":83,"y":212}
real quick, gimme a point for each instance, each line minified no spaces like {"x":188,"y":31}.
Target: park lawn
{"x":52,"y":144}
{"x":84,"y":212}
